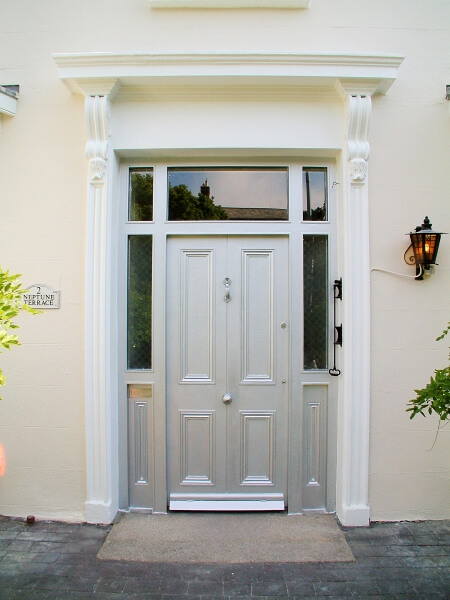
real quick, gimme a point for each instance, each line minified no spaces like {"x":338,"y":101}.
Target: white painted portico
{"x":334,"y":90}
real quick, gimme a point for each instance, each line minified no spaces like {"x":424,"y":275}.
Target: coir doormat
{"x":226,"y":538}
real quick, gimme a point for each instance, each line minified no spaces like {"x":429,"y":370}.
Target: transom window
{"x":235,"y":194}
{"x":140,"y":195}
{"x":315,"y":194}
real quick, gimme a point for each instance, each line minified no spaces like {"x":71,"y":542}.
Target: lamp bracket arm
{"x":401,"y":274}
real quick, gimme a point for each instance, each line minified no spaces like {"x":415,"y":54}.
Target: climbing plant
{"x":435,"y":396}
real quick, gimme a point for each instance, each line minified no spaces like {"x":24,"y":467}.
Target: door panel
{"x":227,"y":372}
{"x":257,"y":448}
{"x":257,"y":311}
{"x":196,"y":316}
{"x":197,"y":448}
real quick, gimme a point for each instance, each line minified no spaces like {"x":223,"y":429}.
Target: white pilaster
{"x":101,"y":504}
{"x":353,"y":452}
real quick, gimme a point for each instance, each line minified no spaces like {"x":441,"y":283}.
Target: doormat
{"x":226,"y":538}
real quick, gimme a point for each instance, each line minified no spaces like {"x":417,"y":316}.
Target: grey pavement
{"x":58,"y":561}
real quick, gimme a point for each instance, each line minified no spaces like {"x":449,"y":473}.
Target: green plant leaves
{"x":11,"y":303}
{"x":435,"y":396}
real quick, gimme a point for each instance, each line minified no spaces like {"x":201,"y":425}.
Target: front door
{"x":227,"y":372}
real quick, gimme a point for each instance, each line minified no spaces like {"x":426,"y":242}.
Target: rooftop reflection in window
{"x":315,"y":197}
{"x":237,"y":194}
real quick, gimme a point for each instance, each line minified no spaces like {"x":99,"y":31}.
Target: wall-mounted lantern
{"x":424,"y":247}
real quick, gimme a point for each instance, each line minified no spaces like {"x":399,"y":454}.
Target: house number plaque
{"x":40,"y":295}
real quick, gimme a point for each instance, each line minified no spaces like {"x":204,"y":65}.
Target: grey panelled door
{"x":227,"y":369}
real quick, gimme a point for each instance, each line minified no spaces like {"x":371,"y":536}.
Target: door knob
{"x":226,"y":398}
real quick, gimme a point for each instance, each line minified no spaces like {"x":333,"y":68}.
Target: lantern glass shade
{"x":425,"y":245}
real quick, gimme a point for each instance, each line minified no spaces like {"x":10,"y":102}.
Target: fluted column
{"x":100,"y":507}
{"x":353,"y":452}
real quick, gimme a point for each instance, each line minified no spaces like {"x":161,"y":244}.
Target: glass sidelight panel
{"x":236,"y":194}
{"x":139,"y":302}
{"x":140,"y":197}
{"x":315,"y":299}
{"x":315,"y":194}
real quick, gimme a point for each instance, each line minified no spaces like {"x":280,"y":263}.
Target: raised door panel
{"x":257,"y":316}
{"x":140,"y":445}
{"x":197,"y":448}
{"x":315,"y":401}
{"x":257,"y":448}
{"x":196,"y":316}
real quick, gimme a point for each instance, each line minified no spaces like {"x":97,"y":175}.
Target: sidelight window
{"x":139,"y":313}
{"x":315,"y":301}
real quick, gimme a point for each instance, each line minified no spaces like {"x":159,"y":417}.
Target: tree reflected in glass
{"x":140,"y":205}
{"x":185,"y":206}
{"x":139,"y":301}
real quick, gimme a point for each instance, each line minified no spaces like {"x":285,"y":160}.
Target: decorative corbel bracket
{"x":357,"y":96}
{"x":359,"y":111}
{"x":97,"y":110}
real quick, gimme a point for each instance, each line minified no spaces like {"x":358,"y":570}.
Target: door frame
{"x":300,"y":382}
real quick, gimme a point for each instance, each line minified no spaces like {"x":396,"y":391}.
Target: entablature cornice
{"x":140,"y":74}
{"x":229,"y":4}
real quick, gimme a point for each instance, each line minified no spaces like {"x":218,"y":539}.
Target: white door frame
{"x":98,"y":77}
{"x":309,"y":390}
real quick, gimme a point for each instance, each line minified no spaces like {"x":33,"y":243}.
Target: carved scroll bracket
{"x":359,"y":110}
{"x":358,"y":169}
{"x":97,"y":110}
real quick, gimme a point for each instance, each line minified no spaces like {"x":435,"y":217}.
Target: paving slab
{"x":52,"y":561}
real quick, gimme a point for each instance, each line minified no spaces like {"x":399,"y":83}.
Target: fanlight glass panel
{"x":235,"y":194}
{"x":315,"y":194}
{"x":140,"y":195}
{"x":139,"y":302}
{"x":315,"y":298}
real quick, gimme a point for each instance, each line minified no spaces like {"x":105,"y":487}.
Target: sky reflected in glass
{"x":240,"y":190}
{"x":315,"y":197}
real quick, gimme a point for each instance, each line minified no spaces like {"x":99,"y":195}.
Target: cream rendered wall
{"x":43,"y":174}
{"x":410,"y":178}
